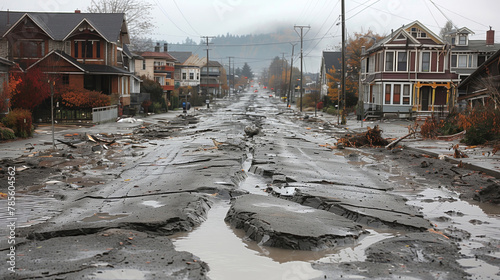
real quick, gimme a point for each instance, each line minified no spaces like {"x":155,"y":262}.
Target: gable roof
{"x":59,"y":25}
{"x":181,"y":56}
{"x":86,"y":68}
{"x":159,"y":55}
{"x":404,"y":28}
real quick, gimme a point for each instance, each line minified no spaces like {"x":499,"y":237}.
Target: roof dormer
{"x":460,"y":37}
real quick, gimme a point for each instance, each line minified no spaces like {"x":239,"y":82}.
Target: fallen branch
{"x":393,"y":143}
{"x":67,"y":143}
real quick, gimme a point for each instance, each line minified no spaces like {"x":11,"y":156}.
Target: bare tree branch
{"x":138,"y":13}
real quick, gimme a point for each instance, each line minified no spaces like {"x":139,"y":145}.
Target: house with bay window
{"x":84,"y":50}
{"x":408,"y":73}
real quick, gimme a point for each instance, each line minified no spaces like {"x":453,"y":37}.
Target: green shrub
{"x":157,"y":107}
{"x":19,"y":120}
{"x":6,"y":133}
{"x":449,"y":128}
{"x":331,"y":111}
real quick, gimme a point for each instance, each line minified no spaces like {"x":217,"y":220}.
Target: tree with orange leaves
{"x":29,"y":89}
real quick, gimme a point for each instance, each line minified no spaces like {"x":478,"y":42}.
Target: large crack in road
{"x":205,"y":187}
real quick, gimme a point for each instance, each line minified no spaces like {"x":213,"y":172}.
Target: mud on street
{"x":247,"y":189}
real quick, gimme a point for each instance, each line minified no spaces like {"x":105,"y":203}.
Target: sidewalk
{"x":479,"y":158}
{"x":42,"y":137}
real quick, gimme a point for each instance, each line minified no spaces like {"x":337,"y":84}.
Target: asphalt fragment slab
{"x":284,"y":224}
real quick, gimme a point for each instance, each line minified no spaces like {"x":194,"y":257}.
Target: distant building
{"x":478,"y":87}
{"x":329,"y":59}
{"x":466,"y":54}
{"x":187,"y":71}
{"x":408,"y":73}
{"x":211,"y":78}
{"x":158,"y":66}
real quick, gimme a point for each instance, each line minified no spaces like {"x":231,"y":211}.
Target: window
{"x":462,"y":40}
{"x":88,"y":49}
{"x":65,"y":79}
{"x":454,"y":60}
{"x":406,"y":94}
{"x":423,"y":35}
{"x":396,"y":98}
{"x":388,"y":94}
{"x":453,"y":40}
{"x":426,"y":61}
{"x":462,"y":61}
{"x":30,"y":49}
{"x":97,"y":49}
{"x":402,"y":58}
{"x":197,"y":76}
{"x":191,"y":76}
{"x":371,"y":64}
{"x":144,"y":65}
{"x":389,"y":62}
{"x":184,"y":76}
{"x":75,"y":47}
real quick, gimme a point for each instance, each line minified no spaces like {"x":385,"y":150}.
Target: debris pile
{"x":371,"y":138}
{"x":251,"y":130}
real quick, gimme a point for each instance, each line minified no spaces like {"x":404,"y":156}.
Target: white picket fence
{"x":104,"y":114}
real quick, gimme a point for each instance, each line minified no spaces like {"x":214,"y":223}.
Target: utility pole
{"x":288,"y":100}
{"x":208,"y":60}
{"x":52,"y":112}
{"x":281,"y":73}
{"x":343,"y":65}
{"x":301,"y":56}
{"x":229,"y":81}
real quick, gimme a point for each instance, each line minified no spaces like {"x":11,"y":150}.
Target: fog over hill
{"x":258,"y":50}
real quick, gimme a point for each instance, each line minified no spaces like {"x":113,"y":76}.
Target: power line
{"x":157,"y":3}
{"x":182,"y":14}
{"x":363,"y":9}
{"x":459,"y":15}
{"x":425,"y":2}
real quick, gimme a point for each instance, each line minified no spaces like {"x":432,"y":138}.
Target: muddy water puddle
{"x":30,"y":210}
{"x":232,"y":255}
{"x":468,"y":224}
{"x":474,"y":226}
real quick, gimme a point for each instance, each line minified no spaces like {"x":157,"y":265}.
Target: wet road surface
{"x":200,"y":199}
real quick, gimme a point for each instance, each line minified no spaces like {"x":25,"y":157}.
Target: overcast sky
{"x":215,"y":17}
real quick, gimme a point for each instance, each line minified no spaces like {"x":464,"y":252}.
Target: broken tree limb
{"x":393,"y":143}
{"x":91,"y":138}
{"x":102,"y":140}
{"x":67,"y":144}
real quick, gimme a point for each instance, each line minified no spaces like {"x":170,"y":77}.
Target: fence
{"x":103,"y":114}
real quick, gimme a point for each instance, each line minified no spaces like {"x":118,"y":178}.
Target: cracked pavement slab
{"x":279,"y":223}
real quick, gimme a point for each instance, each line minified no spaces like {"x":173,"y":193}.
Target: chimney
{"x":157,"y":47}
{"x":165,"y":47}
{"x":490,"y":37}
{"x":77,"y":11}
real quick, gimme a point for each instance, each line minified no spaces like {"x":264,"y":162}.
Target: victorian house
{"x":408,"y":73}
{"x":84,"y":50}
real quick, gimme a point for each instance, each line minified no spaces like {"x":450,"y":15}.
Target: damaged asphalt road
{"x":117,"y":211}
